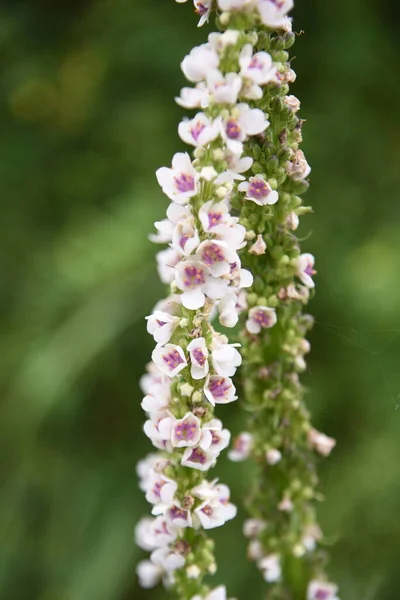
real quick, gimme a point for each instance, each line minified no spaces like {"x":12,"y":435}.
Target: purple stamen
{"x":173,"y":359}
{"x":258,"y":189}
{"x":212,"y":254}
{"x":233,"y":129}
{"x":262,"y":318}
{"x":197,"y":456}
{"x":214,"y":218}
{"x":196,"y":130}
{"x":199,"y":356}
{"x":186,"y":431}
{"x":184,"y":183}
{"x":219,"y":387}
{"x":194,"y":276}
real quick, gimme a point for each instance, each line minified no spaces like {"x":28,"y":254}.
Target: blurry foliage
{"x":87,"y":115}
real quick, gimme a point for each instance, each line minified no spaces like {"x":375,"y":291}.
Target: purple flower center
{"x":186,"y":431}
{"x":255,"y":63}
{"x":184,"y":183}
{"x":322,"y":594}
{"x":215,"y":438}
{"x":183,"y":241}
{"x":262,"y":318}
{"x":201,"y":9}
{"x":163,"y":529}
{"x":197,"y":128}
{"x":157,"y":488}
{"x":177,"y":513}
{"x":207,"y":510}
{"x":194,"y":276}
{"x":199,"y":356}
{"x":309,"y":270}
{"x":214,"y":218}
{"x":233,"y":129}
{"x":173,"y":359}
{"x":197,"y":456}
{"x":161,"y":323}
{"x":212,"y":253}
{"x":219,"y":387}
{"x":258,"y":188}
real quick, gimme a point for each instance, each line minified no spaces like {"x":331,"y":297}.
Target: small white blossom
{"x":292,"y":102}
{"x":217,"y":255}
{"x":193,"y":97}
{"x":199,"y":62}
{"x":219,"y":390}
{"x":322,"y":590}
{"x":292,"y":221}
{"x":257,"y":67}
{"x":253,"y":527}
{"x":196,"y":282}
{"x":224,"y":89}
{"x":161,"y":326}
{"x":199,"y":131}
{"x":169,"y":559}
{"x":170,"y":359}
{"x":203,"y":9}
{"x":259,"y":191}
{"x":260,"y":317}
{"x":273,"y":456}
{"x":218,"y":593}
{"x":305,"y":269}
{"x":271,"y":568}
{"x":148,"y":573}
{"x":225,"y":358}
{"x":186,"y":432}
{"x":180,"y":182}
{"x":273,"y":13}
{"x":321,"y":442}
{"x":242,"y":123}
{"x":242,"y":447}
{"x":199,"y":358}
{"x":197,"y":458}
{"x":166,"y":261}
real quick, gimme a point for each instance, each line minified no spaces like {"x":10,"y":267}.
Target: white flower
{"x":321,"y":442}
{"x":198,"y":131}
{"x":311,"y":535}
{"x":199,"y":358}
{"x":185,"y":238}
{"x":228,"y":314}
{"x":242,"y":446}
{"x":180,"y":182}
{"x":273,"y":13}
{"x":257,"y":67}
{"x":196,"y":97}
{"x":179,"y":517}
{"x":197,"y":458}
{"x":220,"y":41}
{"x":219,"y":390}
{"x":259,"y":247}
{"x":186,"y":432}
{"x":285,"y":505}
{"x":166,"y":261}
{"x":148,"y":573}
{"x":243,"y":122}
{"x":214,"y":438}
{"x":273,"y":456}
{"x":169,"y":559}
{"x":160,"y":492}
{"x":216,"y":509}
{"x":203,"y":9}
{"x":305,"y":269}
{"x":253,"y":527}
{"x":196,"y":282}
{"x":322,"y":590}
{"x":218,"y":593}
{"x":259,"y":191}
{"x":170,"y":359}
{"x":270,"y":567}
{"x":154,"y":533}
{"x":224,"y":89}
{"x":225,"y":358}
{"x":216,"y":220}
{"x":161,"y":326}
{"x":298,"y":168}
{"x":260,"y":317}
{"x":199,"y":62}
{"x":217,"y":255}
{"x":237,"y":165}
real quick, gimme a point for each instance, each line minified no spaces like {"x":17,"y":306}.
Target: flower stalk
{"x":233,"y":255}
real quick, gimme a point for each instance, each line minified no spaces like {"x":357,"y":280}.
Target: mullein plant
{"x":233,"y":258}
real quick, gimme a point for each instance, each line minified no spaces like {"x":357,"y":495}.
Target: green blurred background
{"x":87,"y":115}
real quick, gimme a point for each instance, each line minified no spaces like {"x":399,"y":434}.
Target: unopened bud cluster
{"x":232,"y":255}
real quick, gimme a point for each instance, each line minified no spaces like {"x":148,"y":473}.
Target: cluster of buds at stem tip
{"x":231,"y":256}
